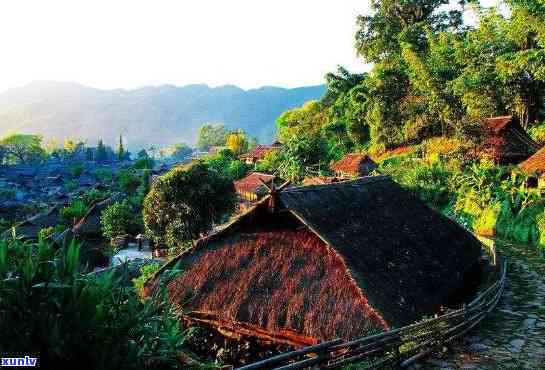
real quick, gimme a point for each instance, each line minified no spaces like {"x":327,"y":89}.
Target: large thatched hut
{"x":354,"y":165}
{"x":506,"y":141}
{"x":318,"y":262}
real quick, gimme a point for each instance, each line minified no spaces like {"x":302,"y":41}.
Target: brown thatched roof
{"x":507,"y":141}
{"x":342,"y":259}
{"x":354,"y":165}
{"x":535,"y":164}
{"x":32,"y":226}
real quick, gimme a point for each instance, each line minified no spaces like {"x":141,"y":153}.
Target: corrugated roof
{"x":259,"y":152}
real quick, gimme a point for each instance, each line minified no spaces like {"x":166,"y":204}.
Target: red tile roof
{"x":535,"y":164}
{"x":259,"y":152}
{"x":319,"y":180}
{"x":354,"y":165}
{"x":253,"y":182}
{"x":497,"y":124}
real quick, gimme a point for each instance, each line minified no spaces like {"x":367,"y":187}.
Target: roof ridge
{"x":365,"y":180}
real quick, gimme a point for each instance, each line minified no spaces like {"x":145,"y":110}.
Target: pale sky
{"x":133,"y":43}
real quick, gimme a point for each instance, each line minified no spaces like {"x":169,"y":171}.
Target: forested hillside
{"x":153,"y":115}
{"x":432,"y":75}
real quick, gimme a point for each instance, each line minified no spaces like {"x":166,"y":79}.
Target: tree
{"x":186,"y":202}
{"x":237,"y":142}
{"x":120,"y":149}
{"x":118,"y":219}
{"x":179,"y":151}
{"x":101,"y":152}
{"x":211,"y":135}
{"x":22,"y":148}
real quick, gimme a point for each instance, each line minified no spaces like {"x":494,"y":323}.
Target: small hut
{"x":506,"y":141}
{"x":535,"y":166}
{"x":354,"y":165}
{"x":252,"y":187}
{"x":258,"y":153}
{"x":314,"y":263}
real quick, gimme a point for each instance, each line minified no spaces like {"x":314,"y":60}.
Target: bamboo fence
{"x":398,"y":347}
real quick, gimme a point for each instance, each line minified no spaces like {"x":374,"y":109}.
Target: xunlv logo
{"x":19,"y":361}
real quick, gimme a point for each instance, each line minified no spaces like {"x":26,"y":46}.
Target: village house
{"x":255,"y":186}
{"x":354,"y":165}
{"x":319,"y":180}
{"x":258,"y":153}
{"x":313,"y":263}
{"x":506,"y":141}
{"x":535,"y":166}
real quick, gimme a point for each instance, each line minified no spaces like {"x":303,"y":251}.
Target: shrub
{"x":538,"y":133}
{"x":146,"y":272}
{"x":72,"y":214}
{"x":485,"y":224}
{"x":46,"y":233}
{"x":128,"y":182}
{"x":51,"y":308}
{"x":7,"y":193}
{"x":118,"y":219}
{"x":92,"y":196}
{"x":186,"y":202}
{"x":104,"y":174}
{"x":144,"y":163}
{"x":71,"y":185}
{"x":77,"y":170}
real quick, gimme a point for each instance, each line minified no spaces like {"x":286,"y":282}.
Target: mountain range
{"x":147,"y":116}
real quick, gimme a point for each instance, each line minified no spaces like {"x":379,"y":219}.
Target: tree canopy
{"x":22,"y":148}
{"x":186,"y":202}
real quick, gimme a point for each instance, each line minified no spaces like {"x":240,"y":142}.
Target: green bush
{"x":146,"y":272}
{"x":118,"y":219}
{"x":71,"y":185}
{"x":77,"y":170}
{"x":92,"y":196}
{"x":144,"y":163}
{"x":186,"y":202}
{"x":7,"y":193}
{"x":75,"y":320}
{"x":104,"y":174}
{"x":128,"y":182}
{"x":72,"y":214}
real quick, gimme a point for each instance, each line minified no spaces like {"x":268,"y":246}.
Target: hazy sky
{"x":133,"y":43}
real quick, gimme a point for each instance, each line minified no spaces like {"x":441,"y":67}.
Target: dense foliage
{"x":186,"y":202}
{"x":432,"y":76}
{"x":72,"y":320}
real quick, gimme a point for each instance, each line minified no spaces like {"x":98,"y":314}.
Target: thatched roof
{"x":354,"y":165}
{"x":535,"y":164}
{"x":336,"y":260}
{"x":31,"y":227}
{"x":507,"y":141}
